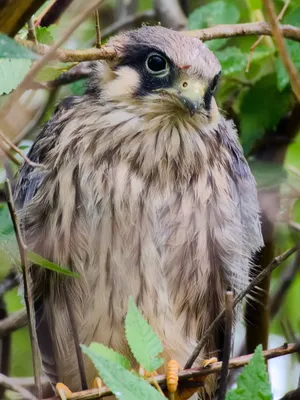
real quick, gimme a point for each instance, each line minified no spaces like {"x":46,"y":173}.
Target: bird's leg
{"x":173,"y":369}
{"x":63,"y":391}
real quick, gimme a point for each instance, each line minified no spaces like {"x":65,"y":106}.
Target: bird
{"x":145,"y":192}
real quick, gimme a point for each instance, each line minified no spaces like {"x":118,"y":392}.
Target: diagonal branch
{"x":267,"y":271}
{"x":283,"y":52}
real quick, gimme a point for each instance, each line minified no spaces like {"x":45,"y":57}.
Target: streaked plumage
{"x":141,"y":198}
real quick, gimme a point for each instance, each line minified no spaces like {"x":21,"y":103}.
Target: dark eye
{"x":214,"y":83}
{"x":157,"y":64}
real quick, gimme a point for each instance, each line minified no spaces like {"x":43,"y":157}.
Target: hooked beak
{"x":191,"y":93}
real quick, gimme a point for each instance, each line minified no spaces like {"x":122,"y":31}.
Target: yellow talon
{"x":63,"y":391}
{"x":209,"y":361}
{"x":97,"y":384}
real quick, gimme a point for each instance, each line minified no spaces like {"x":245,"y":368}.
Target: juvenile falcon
{"x":145,"y":192}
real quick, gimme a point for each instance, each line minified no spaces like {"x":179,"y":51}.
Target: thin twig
{"x":216,"y":32}
{"x":13,"y":322}
{"x":227,"y":344}
{"x":285,"y":283}
{"x":9,"y":282}
{"x":253,"y":47}
{"x":48,"y":55}
{"x":31,"y":31}
{"x":98,"y":30}
{"x":8,"y":153}
{"x":8,"y":142}
{"x":283,"y":52}
{"x":9,"y":384}
{"x":185,"y":375}
{"x":5,"y":347}
{"x":27,"y":287}
{"x":274,"y":264}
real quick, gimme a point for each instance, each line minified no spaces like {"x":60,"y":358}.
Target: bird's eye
{"x":157,"y":65}
{"x":214,"y":83}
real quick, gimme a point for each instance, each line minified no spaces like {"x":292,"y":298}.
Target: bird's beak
{"x":190,"y":93}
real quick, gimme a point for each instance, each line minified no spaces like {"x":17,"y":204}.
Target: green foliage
{"x":142,"y":341}
{"x":232,"y":60}
{"x":253,"y":383}
{"x":39,"y":260}
{"x":219,"y":12}
{"x":110,"y":355}
{"x":259,"y":111}
{"x":44,"y":34}
{"x":124,"y":384}
{"x":9,"y":48}
{"x":12,"y":72}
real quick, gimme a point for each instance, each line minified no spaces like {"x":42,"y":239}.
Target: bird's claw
{"x":63,"y":391}
{"x":209,"y":361}
{"x":97,"y":384}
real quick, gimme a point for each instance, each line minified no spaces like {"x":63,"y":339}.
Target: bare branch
{"x":9,"y":384}
{"x":13,"y":322}
{"x":98,"y":30}
{"x":31,"y":31}
{"x":27,"y":288}
{"x":216,"y":32}
{"x":185,"y":375}
{"x":253,"y":47}
{"x":274,"y":264}
{"x":49,"y":55}
{"x":285,"y":283}
{"x":283,"y":52}
{"x":227,"y":344}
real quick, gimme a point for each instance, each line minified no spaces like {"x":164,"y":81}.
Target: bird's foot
{"x":149,"y":376}
{"x":195,"y":384}
{"x":65,"y":393}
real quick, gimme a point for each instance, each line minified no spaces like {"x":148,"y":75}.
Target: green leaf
{"x":37,"y":259}
{"x":9,"y":48}
{"x":5,"y":221}
{"x":110,"y":355}
{"x":219,"y":12}
{"x":232,"y":60}
{"x":253,"y":383}
{"x":43,"y":35}
{"x":260,"y":112}
{"x":293,"y":48}
{"x":143,"y":342}
{"x":124,"y":384}
{"x":12,"y":73}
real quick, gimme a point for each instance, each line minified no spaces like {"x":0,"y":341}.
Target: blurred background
{"x":254,"y":92}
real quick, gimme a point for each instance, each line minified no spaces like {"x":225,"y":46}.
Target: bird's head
{"x":165,"y":71}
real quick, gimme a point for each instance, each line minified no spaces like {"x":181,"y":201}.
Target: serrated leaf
{"x":259,"y":112}
{"x":232,"y":60}
{"x":43,"y":35}
{"x":219,"y":12}
{"x":124,"y":384}
{"x":253,"y":383}
{"x":293,"y":48}
{"x":9,"y":48}
{"x":41,"y":261}
{"x":110,"y":355}
{"x":143,"y":342}
{"x":12,"y":73}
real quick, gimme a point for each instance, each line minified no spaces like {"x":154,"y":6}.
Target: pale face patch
{"x":124,"y":86}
